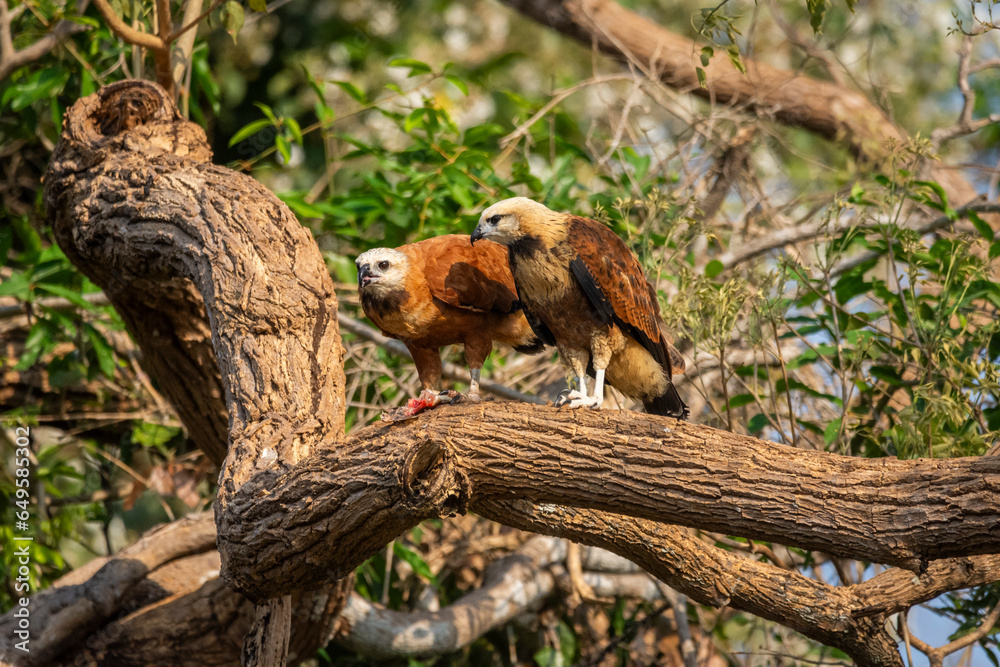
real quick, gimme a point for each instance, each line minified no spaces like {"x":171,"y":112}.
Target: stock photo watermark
{"x":22,"y":538}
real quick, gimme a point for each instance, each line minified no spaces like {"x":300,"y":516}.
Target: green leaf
{"x":267,"y":112}
{"x":294,"y":129}
{"x":995,"y":250}
{"x":70,"y":295}
{"x":415,"y":561}
{"x":817,"y":9}
{"x":249,"y":130}
{"x":830,"y":434}
{"x":416,"y":67}
{"x":39,"y":339}
{"x":351,"y":90}
{"x":102,"y":351}
{"x":733,"y":52}
{"x":44,"y":84}
{"x":258,"y":5}
{"x":702,"y":79}
{"x":458,"y":83}
{"x":300,"y":207}
{"x":284,"y":148}
{"x":414,"y":119}
{"x":16,"y":285}
{"x":713,"y":268}
{"x":706,"y":54}
{"x":740,"y":400}
{"x":887,"y":374}
{"x":546,"y":657}
{"x":981,"y":226}
{"x":147,"y":434}
{"x":234,"y":17}
{"x":942,"y":204}
{"x":757,"y":423}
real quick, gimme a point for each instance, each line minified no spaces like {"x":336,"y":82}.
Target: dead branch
{"x":789,"y":235}
{"x":511,"y":586}
{"x":965,"y":124}
{"x":830,"y":110}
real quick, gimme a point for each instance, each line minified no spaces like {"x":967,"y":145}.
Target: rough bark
{"x":135,"y":204}
{"x":883,"y":510}
{"x":160,"y":601}
{"x":826,"y":108}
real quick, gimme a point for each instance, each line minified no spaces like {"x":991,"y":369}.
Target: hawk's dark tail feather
{"x":534,"y":347}
{"x":668,"y":405}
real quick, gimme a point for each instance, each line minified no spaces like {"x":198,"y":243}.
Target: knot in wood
{"x":128,"y":104}
{"x":432,"y":482}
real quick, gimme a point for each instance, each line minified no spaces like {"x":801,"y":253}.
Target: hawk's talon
{"x":576,"y":399}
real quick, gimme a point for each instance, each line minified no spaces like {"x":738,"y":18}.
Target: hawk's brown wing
{"x":616,"y":286}
{"x":475,"y":278}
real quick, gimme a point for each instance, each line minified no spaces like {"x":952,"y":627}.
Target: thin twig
{"x":509,"y":142}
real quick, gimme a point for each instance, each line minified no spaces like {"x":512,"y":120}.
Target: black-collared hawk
{"x":584,"y":291}
{"x":444,"y":291}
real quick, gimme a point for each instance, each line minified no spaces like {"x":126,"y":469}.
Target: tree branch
{"x":789,"y":235}
{"x":11,"y":59}
{"x":511,"y":586}
{"x":158,"y":44}
{"x":712,"y":576}
{"x":87,"y":597}
{"x":448,"y":369}
{"x":830,"y":110}
{"x":179,"y":602}
{"x":882,"y":510}
{"x":129,"y":34}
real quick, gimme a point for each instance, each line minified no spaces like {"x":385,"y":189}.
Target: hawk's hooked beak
{"x":477,"y":234}
{"x":364,"y":275}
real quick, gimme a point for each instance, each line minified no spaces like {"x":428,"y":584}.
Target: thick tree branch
{"x":896,"y":590}
{"x":826,"y":108}
{"x":84,"y":600}
{"x":715,"y":577}
{"x":179,"y":613}
{"x":883,"y":510}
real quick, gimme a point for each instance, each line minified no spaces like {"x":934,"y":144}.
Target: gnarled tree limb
{"x":884,"y":510}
